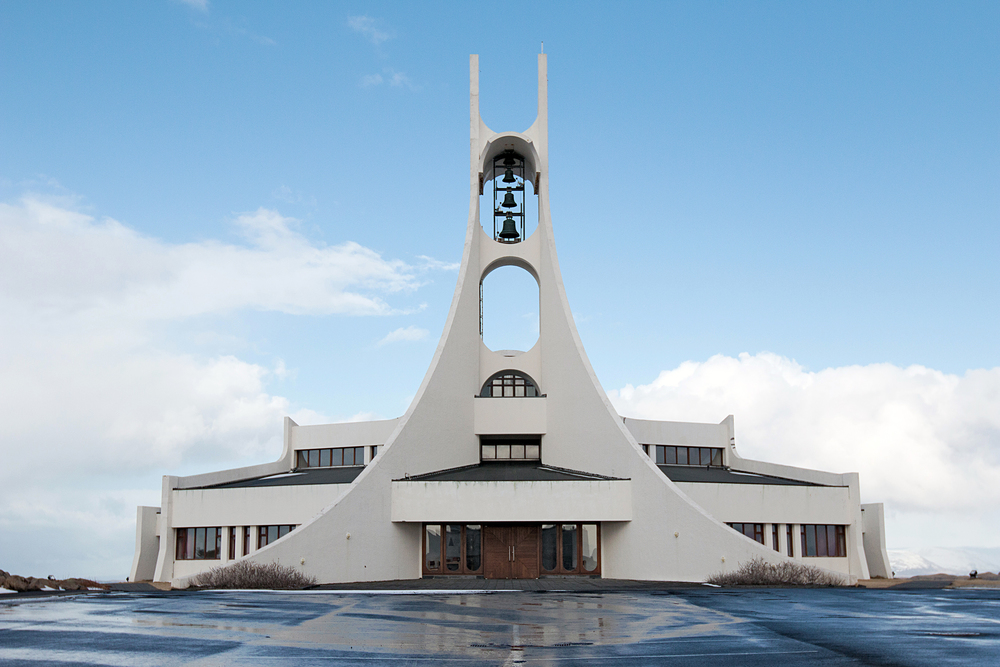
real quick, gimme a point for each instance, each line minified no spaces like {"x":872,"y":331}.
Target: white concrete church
{"x":510,"y":464}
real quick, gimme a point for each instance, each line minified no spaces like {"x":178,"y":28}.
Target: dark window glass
{"x":348,"y":456}
{"x":788,"y":539}
{"x":509,"y":384}
{"x":473,"y":548}
{"x":549,"y":547}
{"x":717,"y":457}
{"x":338,"y":457}
{"x":842,"y":541}
{"x":303,"y":459}
{"x":682,"y":456}
{"x":232,"y":543}
{"x":324,"y":457}
{"x":453,"y":547}
{"x":661,"y":457}
{"x":810,"y":549}
{"x":774,"y":537}
{"x":670,"y":455}
{"x":706,"y":456}
{"x":246,"y":540}
{"x":821,"y":541}
{"x":432,"y":547}
{"x":272,"y":534}
{"x":199,"y":543}
{"x":359,"y":456}
{"x":569,"y":554}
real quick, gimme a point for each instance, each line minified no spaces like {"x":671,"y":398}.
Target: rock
{"x":16,"y":583}
{"x":4,"y":575}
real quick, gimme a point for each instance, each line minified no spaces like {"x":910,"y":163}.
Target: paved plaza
{"x":678,"y":626}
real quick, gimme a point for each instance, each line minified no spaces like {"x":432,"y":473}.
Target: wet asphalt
{"x":687,"y":626}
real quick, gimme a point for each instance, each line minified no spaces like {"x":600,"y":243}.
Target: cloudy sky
{"x":215,"y":214}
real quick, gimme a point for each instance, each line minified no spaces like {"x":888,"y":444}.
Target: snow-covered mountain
{"x":947,"y":560}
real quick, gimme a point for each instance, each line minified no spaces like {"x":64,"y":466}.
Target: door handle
{"x":514,"y":551}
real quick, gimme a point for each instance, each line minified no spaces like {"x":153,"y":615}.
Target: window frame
{"x":191,"y":536}
{"x":578,"y":569}
{"x":526,"y":381}
{"x":264,"y":533}
{"x":463,"y":568}
{"x":671,"y":455}
{"x":812,"y":531}
{"x":313,"y":458}
{"x":757,"y":530}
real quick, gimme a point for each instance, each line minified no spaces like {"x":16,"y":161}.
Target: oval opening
{"x":509,"y":309}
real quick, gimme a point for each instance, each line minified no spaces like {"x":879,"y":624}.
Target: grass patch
{"x":247,"y":574}
{"x":759,"y":572}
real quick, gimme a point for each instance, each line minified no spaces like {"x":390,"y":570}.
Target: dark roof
{"x":339,"y":475}
{"x":506,"y":472}
{"x":714,"y":475}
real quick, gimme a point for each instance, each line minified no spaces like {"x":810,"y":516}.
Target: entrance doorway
{"x":510,"y":552}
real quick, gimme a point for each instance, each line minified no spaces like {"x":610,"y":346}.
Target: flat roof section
{"x":713,"y":475}
{"x":338,"y":475}
{"x":506,"y":472}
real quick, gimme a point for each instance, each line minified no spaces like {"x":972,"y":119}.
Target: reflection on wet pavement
{"x":826,"y":627}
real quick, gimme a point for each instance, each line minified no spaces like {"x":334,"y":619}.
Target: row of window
{"x":513,"y":450}
{"x":817,"y":539}
{"x":567,"y":548}
{"x":206,"y":543}
{"x":509,"y":384}
{"x":685,"y":456}
{"x":333,"y":456}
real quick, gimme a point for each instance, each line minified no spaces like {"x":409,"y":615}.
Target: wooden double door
{"x":510,"y":552}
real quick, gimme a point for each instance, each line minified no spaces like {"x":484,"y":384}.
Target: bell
{"x":508,"y":176}
{"x":508,"y":201}
{"x":509,"y":232}
{"x":509,"y":162}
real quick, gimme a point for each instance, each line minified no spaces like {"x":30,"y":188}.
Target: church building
{"x":508,"y":463}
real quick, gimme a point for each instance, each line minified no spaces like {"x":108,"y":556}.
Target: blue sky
{"x":815,"y":181}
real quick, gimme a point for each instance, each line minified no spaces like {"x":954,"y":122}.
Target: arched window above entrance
{"x":510,"y":384}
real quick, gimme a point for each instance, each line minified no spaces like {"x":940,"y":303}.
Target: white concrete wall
{"x":760,"y":503}
{"x":873,"y":524}
{"x":146,"y":543}
{"x":252,"y":505}
{"x":347,"y":434}
{"x":509,"y":416}
{"x":500,"y":502}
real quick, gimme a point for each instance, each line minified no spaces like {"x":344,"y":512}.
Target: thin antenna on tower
{"x":543,"y":47}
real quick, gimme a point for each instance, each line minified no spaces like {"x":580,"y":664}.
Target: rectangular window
{"x":789,"y":542}
{"x":232,"y":543}
{"x":453,"y":548}
{"x":510,"y":449}
{"x":755,"y":531}
{"x":824,"y":540}
{"x":774,"y":537}
{"x":268,"y":534}
{"x":331,"y":457}
{"x":570,"y":548}
{"x":246,"y":540}
{"x":687,"y":456}
{"x":199,"y":544}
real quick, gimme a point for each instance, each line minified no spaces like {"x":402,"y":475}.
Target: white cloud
{"x":410,"y":333}
{"x":95,"y":400}
{"x":393,"y":77}
{"x":200,"y":5}
{"x":60,"y":259}
{"x":923,"y":441}
{"x":369,"y":28}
